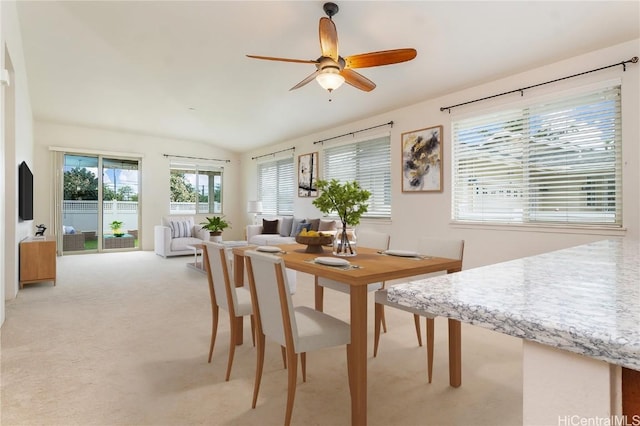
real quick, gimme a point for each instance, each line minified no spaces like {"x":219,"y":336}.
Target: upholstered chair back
{"x":219,"y":264}
{"x":449,"y":248}
{"x":273,"y":297}
{"x":372,"y":239}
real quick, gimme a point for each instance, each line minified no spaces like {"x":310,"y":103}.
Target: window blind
{"x":276,"y":186}
{"x":555,"y":162}
{"x":368,"y":163}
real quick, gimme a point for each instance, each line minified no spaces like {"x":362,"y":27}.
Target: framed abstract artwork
{"x":422,"y":160}
{"x":308,"y":175}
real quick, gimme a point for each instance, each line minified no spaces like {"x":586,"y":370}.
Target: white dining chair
{"x":224,"y":294}
{"x":299,"y":329}
{"x":447,"y":248}
{"x":365,"y":238}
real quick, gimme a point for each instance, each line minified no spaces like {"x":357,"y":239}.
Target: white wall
{"x":17,"y":146}
{"x":428,"y":214}
{"x":154,"y":198}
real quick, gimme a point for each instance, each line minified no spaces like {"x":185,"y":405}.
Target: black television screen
{"x":25,"y":192}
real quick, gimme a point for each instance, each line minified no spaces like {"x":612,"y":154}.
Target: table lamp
{"x":254,"y":207}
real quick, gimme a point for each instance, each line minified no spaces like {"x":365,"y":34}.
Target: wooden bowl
{"x":314,"y":244}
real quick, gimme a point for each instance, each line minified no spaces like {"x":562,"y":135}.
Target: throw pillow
{"x":302,"y":226}
{"x":180,"y":229}
{"x":285,"y":226}
{"x":294,"y":226}
{"x":315,"y":223}
{"x":269,"y":226}
{"x":327,"y":225}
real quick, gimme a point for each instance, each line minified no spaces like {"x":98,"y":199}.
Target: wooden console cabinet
{"x":37,"y":260}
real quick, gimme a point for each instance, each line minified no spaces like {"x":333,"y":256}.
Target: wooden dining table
{"x":371,"y":266}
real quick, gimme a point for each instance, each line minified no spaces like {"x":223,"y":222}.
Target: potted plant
{"x":215,"y":225}
{"x":116,"y":228}
{"x":349,"y":201}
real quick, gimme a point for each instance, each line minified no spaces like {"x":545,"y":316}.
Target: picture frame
{"x":308,"y":175}
{"x":422,"y":167}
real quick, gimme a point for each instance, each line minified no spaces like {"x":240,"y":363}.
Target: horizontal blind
{"x":556,"y":162}
{"x":276,"y":186}
{"x":369,"y":164}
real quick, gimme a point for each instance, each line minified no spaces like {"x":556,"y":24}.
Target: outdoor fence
{"x":83,"y":214}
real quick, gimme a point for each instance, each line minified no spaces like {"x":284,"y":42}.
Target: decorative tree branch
{"x":348,"y":201}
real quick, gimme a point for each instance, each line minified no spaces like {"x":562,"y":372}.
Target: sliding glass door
{"x":120,"y":183}
{"x":99,"y":209}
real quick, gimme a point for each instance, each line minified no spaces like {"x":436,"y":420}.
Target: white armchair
{"x":175,"y":234}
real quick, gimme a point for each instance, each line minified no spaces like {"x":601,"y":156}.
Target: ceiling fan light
{"x":330,"y":79}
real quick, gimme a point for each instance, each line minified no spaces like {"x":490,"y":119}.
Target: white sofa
{"x":286,"y":231}
{"x":175,"y":234}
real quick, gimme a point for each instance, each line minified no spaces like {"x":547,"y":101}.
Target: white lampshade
{"x":330,"y":78}
{"x":254,"y":207}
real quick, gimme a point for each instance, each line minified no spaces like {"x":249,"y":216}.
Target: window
{"x":195,"y":188}
{"x":368,"y":163}
{"x":557,"y":162}
{"x":276,"y":186}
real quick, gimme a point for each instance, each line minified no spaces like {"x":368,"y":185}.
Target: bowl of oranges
{"x":314,"y":240}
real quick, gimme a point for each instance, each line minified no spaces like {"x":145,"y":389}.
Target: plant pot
{"x":344,"y":242}
{"x":215,"y":237}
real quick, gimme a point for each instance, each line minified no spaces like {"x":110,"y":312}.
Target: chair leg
{"x":384,"y":320}
{"x":214,"y":330}
{"x":430,"y":332}
{"x":416,"y":320}
{"x":378,"y":312}
{"x":253,"y":330}
{"x":291,"y":388}
{"x":303,"y":359}
{"x":284,"y":356}
{"x":259,"y":366}
{"x":232,"y":346}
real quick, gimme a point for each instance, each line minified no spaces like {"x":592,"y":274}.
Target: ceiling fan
{"x":332,"y":69}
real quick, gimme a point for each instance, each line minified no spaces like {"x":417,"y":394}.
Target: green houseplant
{"x":215,"y":225}
{"x":349,"y":201}
{"x":116,"y":228}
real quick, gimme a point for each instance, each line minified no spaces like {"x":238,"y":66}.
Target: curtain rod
{"x":624,"y":68}
{"x":293,"y":148}
{"x":195,"y":158}
{"x":357,"y":131}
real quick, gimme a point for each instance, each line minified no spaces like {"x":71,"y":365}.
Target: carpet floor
{"x":123,"y":339}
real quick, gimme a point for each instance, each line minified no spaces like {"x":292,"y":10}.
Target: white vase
{"x":345,"y":242}
{"x":215,"y":237}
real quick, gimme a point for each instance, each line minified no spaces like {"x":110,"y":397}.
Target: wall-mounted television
{"x":25,"y":192}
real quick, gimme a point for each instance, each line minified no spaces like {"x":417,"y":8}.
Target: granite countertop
{"x":584,"y":299}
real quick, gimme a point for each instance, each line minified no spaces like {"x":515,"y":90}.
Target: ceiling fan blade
{"x":384,"y":57}
{"x":270,"y":58}
{"x":305,"y":81}
{"x":328,"y":38}
{"x":357,"y":80}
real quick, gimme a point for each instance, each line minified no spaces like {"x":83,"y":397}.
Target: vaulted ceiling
{"x":178,"y":68}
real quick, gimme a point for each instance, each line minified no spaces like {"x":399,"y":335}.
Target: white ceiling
{"x":178,"y":68}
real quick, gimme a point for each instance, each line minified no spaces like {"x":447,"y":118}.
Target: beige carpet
{"x":123,"y":340}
